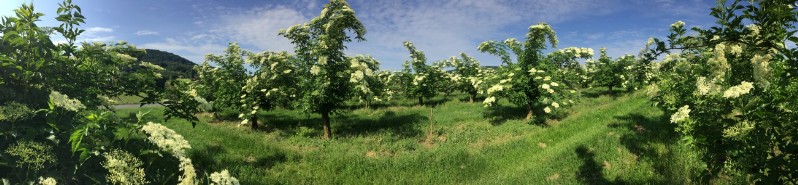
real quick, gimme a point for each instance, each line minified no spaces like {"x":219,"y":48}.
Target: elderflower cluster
{"x":495,"y":88}
{"x":489,"y":101}
{"x":357,"y":76}
{"x":738,"y":90}
{"x":315,"y":70}
{"x":677,"y":24}
{"x":680,"y":115}
{"x":704,"y":87}
{"x":168,"y":140}
{"x":579,"y":52}
{"x":32,"y":154}
{"x":149,"y":65}
{"x":123,"y":168}
{"x":547,"y":109}
{"x":44,"y":181}
{"x":738,"y":129}
{"x":223,"y":178}
{"x":63,"y":101}
{"x":762,"y":69}
{"x":419,"y":79}
{"x":548,"y":88}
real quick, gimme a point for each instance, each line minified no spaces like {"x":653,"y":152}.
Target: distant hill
{"x":175,"y":65}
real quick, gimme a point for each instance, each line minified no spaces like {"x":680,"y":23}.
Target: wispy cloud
{"x":146,"y":32}
{"x":259,"y":26}
{"x":93,"y":34}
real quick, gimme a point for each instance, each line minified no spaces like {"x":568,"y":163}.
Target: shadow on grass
{"x":653,"y":139}
{"x":591,"y":171}
{"x":499,"y":114}
{"x":403,"y":125}
{"x":595,"y":93}
{"x":211,"y":158}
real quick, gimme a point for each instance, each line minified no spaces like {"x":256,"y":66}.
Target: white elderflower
{"x":738,"y":90}
{"x":680,"y":115}
{"x":315,"y":70}
{"x":123,"y":168}
{"x":547,"y":110}
{"x":42,"y":181}
{"x":166,"y":139}
{"x":489,"y":101}
{"x":495,"y":88}
{"x":545,"y":86}
{"x":555,"y":105}
{"x":63,"y":101}
{"x":677,"y":24}
{"x":762,"y":69}
{"x":554,"y":84}
{"x":547,"y":78}
{"x":223,"y":178}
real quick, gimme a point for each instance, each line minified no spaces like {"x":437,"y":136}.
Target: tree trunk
{"x":421,"y":101}
{"x":471,"y":99}
{"x":325,"y":118}
{"x":529,"y":113}
{"x":611,"y":93}
{"x":255,"y":122}
{"x":429,"y":134}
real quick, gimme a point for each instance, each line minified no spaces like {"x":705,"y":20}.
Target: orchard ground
{"x":602,"y":139}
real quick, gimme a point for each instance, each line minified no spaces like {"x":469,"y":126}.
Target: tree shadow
{"x":499,"y":114}
{"x":403,"y":125}
{"x":208,"y":159}
{"x":591,"y":170}
{"x":603,"y":92}
{"x":652,"y":138}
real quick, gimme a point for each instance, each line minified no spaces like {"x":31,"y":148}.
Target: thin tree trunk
{"x":255,"y":122}
{"x":471,"y":99}
{"x":529,"y":113}
{"x":429,"y":135}
{"x":611,"y":93}
{"x":325,"y":118}
{"x":421,"y":101}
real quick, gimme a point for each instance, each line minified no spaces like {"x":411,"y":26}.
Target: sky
{"x":440,"y":28}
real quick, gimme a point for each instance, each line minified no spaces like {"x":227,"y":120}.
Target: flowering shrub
{"x":611,"y":73}
{"x":533,"y":81}
{"x":321,"y":41}
{"x":721,"y":91}
{"x":56,"y":123}
{"x":424,"y":79}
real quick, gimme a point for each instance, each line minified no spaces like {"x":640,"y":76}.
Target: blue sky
{"x":441,"y":28}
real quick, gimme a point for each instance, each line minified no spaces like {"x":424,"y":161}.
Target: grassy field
{"x":601,"y":140}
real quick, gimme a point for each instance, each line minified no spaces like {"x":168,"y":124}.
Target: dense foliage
{"x":56,"y":122}
{"x":732,"y":90}
{"x":532,"y":80}
{"x":319,"y":45}
{"x":421,"y":80}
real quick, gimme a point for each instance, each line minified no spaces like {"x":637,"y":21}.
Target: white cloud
{"x":146,"y":32}
{"x":97,"y":30}
{"x":93,"y":34}
{"x":259,"y":27}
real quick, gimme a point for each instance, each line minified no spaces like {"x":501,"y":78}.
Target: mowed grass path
{"x":601,"y":140}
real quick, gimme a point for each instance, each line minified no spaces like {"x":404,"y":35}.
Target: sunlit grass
{"x":603,"y":139}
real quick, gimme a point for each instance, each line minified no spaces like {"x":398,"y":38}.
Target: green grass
{"x":601,"y":140}
{"x":127,"y":100}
